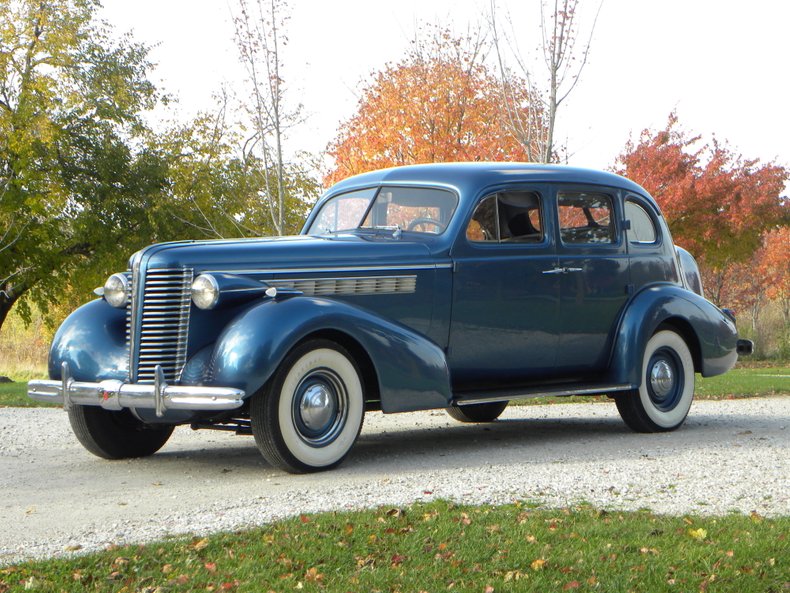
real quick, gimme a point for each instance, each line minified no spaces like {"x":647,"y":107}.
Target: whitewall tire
{"x":664,"y":396}
{"x":309,"y":415}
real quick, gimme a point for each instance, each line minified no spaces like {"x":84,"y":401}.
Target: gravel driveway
{"x":56,"y":497}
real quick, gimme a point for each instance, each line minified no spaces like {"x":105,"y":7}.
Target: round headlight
{"x":116,"y":290}
{"x":205,"y":291}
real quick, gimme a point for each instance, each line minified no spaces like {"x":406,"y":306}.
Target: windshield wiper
{"x":396,"y":230}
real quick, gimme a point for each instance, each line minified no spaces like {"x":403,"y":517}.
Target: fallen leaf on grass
{"x":397,"y":560}
{"x":649,"y":551}
{"x":201,"y":544}
{"x":571,"y":585}
{"x":698,"y":534}
{"x":538,"y":564}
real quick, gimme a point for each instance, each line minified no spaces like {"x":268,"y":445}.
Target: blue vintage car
{"x":455,"y":286}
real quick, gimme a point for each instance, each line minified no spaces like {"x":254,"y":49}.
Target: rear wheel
{"x":477,"y":412}
{"x":309,"y":415}
{"x":116,"y":435}
{"x":664,"y":397}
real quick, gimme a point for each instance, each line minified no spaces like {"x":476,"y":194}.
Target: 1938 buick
{"x":456,"y":286}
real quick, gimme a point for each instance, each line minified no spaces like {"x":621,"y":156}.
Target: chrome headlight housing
{"x":205,"y":291}
{"x":116,"y":290}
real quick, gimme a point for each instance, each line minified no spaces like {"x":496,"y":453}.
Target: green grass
{"x":745,"y":382}
{"x":15,"y":395}
{"x":441,"y":546}
{"x":739,"y":382}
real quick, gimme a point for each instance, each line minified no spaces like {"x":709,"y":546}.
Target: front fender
{"x":93,"y":341}
{"x":411,"y":370}
{"x":713,"y":335}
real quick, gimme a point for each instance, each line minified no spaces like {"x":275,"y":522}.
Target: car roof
{"x":469,"y":177}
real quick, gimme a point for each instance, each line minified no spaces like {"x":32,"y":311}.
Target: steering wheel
{"x":425,"y":221}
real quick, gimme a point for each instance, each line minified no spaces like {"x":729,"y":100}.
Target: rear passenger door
{"x":594,"y":276}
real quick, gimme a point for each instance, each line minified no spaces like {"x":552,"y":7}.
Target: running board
{"x":485,"y":397}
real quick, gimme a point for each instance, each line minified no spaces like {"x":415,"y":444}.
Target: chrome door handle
{"x":562,"y":270}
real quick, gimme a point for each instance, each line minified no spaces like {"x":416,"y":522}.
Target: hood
{"x":269,"y":255}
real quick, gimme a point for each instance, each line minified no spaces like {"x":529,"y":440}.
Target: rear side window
{"x":507,"y":217}
{"x":585,"y":217}
{"x":642,"y":230}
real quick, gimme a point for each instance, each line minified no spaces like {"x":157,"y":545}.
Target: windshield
{"x":414,"y":209}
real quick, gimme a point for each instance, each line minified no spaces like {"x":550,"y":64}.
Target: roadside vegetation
{"x":441,"y":546}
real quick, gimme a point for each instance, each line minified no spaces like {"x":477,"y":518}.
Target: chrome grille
{"x":161,"y":337}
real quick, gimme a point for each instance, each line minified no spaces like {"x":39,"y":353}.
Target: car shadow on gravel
{"x":548,"y":440}
{"x":525,"y":440}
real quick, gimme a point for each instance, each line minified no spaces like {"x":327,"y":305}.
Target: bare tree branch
{"x":559,"y":34}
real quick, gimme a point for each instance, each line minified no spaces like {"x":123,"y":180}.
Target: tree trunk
{"x":6,"y":304}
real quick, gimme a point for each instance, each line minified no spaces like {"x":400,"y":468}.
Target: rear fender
{"x":411,"y":370}
{"x":709,"y":333}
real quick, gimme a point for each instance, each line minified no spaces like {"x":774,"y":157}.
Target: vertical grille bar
{"x":162,"y":333}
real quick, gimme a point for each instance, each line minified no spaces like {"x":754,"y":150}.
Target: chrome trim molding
{"x":65,"y":377}
{"x":484,"y":398}
{"x":362,"y":285}
{"x":331,"y":269}
{"x":116,"y":395}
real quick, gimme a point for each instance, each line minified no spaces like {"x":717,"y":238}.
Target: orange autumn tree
{"x":439,"y":104}
{"x":717,"y":203}
{"x":773,"y":268}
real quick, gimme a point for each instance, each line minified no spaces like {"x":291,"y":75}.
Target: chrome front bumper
{"x":116,"y":395}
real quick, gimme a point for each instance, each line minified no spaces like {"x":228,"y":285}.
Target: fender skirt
{"x":412,"y":371}
{"x":710,"y":334}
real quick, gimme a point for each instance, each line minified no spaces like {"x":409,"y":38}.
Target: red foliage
{"x":717,"y":203}
{"x":773,"y":263}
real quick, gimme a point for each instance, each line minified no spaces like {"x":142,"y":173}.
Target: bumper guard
{"x":116,"y":395}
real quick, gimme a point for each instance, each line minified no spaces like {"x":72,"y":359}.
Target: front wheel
{"x":664,"y":396}
{"x":116,"y":435}
{"x":310,"y":413}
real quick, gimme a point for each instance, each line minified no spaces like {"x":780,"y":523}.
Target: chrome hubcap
{"x":317,"y":407}
{"x":320,"y":407}
{"x":661,"y":378}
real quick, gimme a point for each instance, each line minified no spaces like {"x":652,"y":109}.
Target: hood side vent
{"x":363,"y":285}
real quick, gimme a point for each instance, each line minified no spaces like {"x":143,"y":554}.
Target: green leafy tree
{"x":219,"y":185}
{"x":76,"y":181}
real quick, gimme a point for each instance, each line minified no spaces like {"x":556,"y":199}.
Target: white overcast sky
{"x":722,"y":64}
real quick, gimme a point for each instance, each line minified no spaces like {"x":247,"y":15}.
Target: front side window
{"x":507,"y":217}
{"x":586,"y":217}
